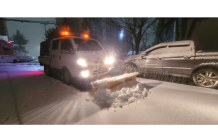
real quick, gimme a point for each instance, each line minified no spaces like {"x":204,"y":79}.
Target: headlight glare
{"x":109,"y":60}
{"x":85,"y":73}
{"x":82,"y":62}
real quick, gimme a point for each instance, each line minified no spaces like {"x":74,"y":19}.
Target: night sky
{"x":34,"y":32}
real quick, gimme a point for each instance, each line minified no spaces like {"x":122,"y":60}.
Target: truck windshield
{"x":86,"y":45}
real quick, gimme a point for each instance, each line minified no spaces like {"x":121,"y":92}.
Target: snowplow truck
{"x":73,"y":58}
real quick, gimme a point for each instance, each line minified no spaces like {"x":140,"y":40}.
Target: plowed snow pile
{"x":121,"y":95}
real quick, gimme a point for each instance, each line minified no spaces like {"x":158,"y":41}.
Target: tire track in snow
{"x":35,"y":117}
{"x":14,"y":99}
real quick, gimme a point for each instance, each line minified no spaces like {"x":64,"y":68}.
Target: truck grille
{"x":100,"y":70}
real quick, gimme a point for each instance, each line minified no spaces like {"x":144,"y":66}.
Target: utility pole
{"x":6,"y":29}
{"x":45,"y":30}
{"x":174,"y":37}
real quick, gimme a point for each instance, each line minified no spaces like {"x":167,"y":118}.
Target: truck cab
{"x":76,"y":57}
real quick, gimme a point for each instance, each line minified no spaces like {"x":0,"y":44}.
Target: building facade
{"x":5,"y":48}
{"x":204,"y":33}
{"x":3,"y":31}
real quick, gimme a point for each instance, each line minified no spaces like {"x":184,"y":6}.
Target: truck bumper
{"x":90,"y":72}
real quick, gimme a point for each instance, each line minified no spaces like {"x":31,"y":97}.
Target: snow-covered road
{"x":27,"y":96}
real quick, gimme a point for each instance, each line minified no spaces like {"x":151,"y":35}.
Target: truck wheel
{"x":206,"y":78}
{"x":66,"y":77}
{"x":47,"y":70}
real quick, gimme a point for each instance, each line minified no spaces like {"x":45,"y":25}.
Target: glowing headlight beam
{"x":82,"y":62}
{"x":109,"y":60}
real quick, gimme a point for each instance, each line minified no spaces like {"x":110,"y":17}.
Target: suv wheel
{"x":206,"y":78}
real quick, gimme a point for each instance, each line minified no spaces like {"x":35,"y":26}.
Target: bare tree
{"x":137,"y":27}
{"x":162,"y":29}
{"x":144,"y":41}
{"x":129,"y":40}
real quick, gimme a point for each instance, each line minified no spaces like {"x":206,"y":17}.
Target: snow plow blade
{"x":113,"y":81}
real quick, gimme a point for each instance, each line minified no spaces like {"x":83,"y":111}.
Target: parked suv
{"x":178,"y":58}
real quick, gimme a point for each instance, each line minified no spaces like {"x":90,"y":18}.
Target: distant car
{"x":24,"y":58}
{"x":180,"y":59}
{"x":8,"y":59}
{"x":32,"y":58}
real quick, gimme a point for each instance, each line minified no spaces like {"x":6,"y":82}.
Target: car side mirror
{"x":143,"y":57}
{"x":71,"y":51}
{"x":143,"y":54}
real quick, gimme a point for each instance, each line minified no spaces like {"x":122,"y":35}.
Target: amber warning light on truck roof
{"x":64,"y":33}
{"x":85,"y":35}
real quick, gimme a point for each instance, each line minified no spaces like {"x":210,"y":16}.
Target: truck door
{"x":67,"y":56}
{"x":55,"y":53}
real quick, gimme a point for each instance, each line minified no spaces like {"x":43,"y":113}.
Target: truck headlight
{"x":109,"y":60}
{"x":82,"y":62}
{"x":85,"y":73}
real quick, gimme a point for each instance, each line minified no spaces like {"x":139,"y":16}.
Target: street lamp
{"x":121,"y":34}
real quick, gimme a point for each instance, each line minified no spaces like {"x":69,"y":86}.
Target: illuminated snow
{"x":123,"y":94}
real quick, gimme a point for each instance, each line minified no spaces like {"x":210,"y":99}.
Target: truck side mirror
{"x":143,"y":54}
{"x":69,"y":49}
{"x":200,"y":51}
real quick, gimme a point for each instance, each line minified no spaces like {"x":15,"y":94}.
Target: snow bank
{"x":121,"y":95}
{"x":19,"y":64}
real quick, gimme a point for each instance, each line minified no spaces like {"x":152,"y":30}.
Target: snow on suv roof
{"x":174,"y":43}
